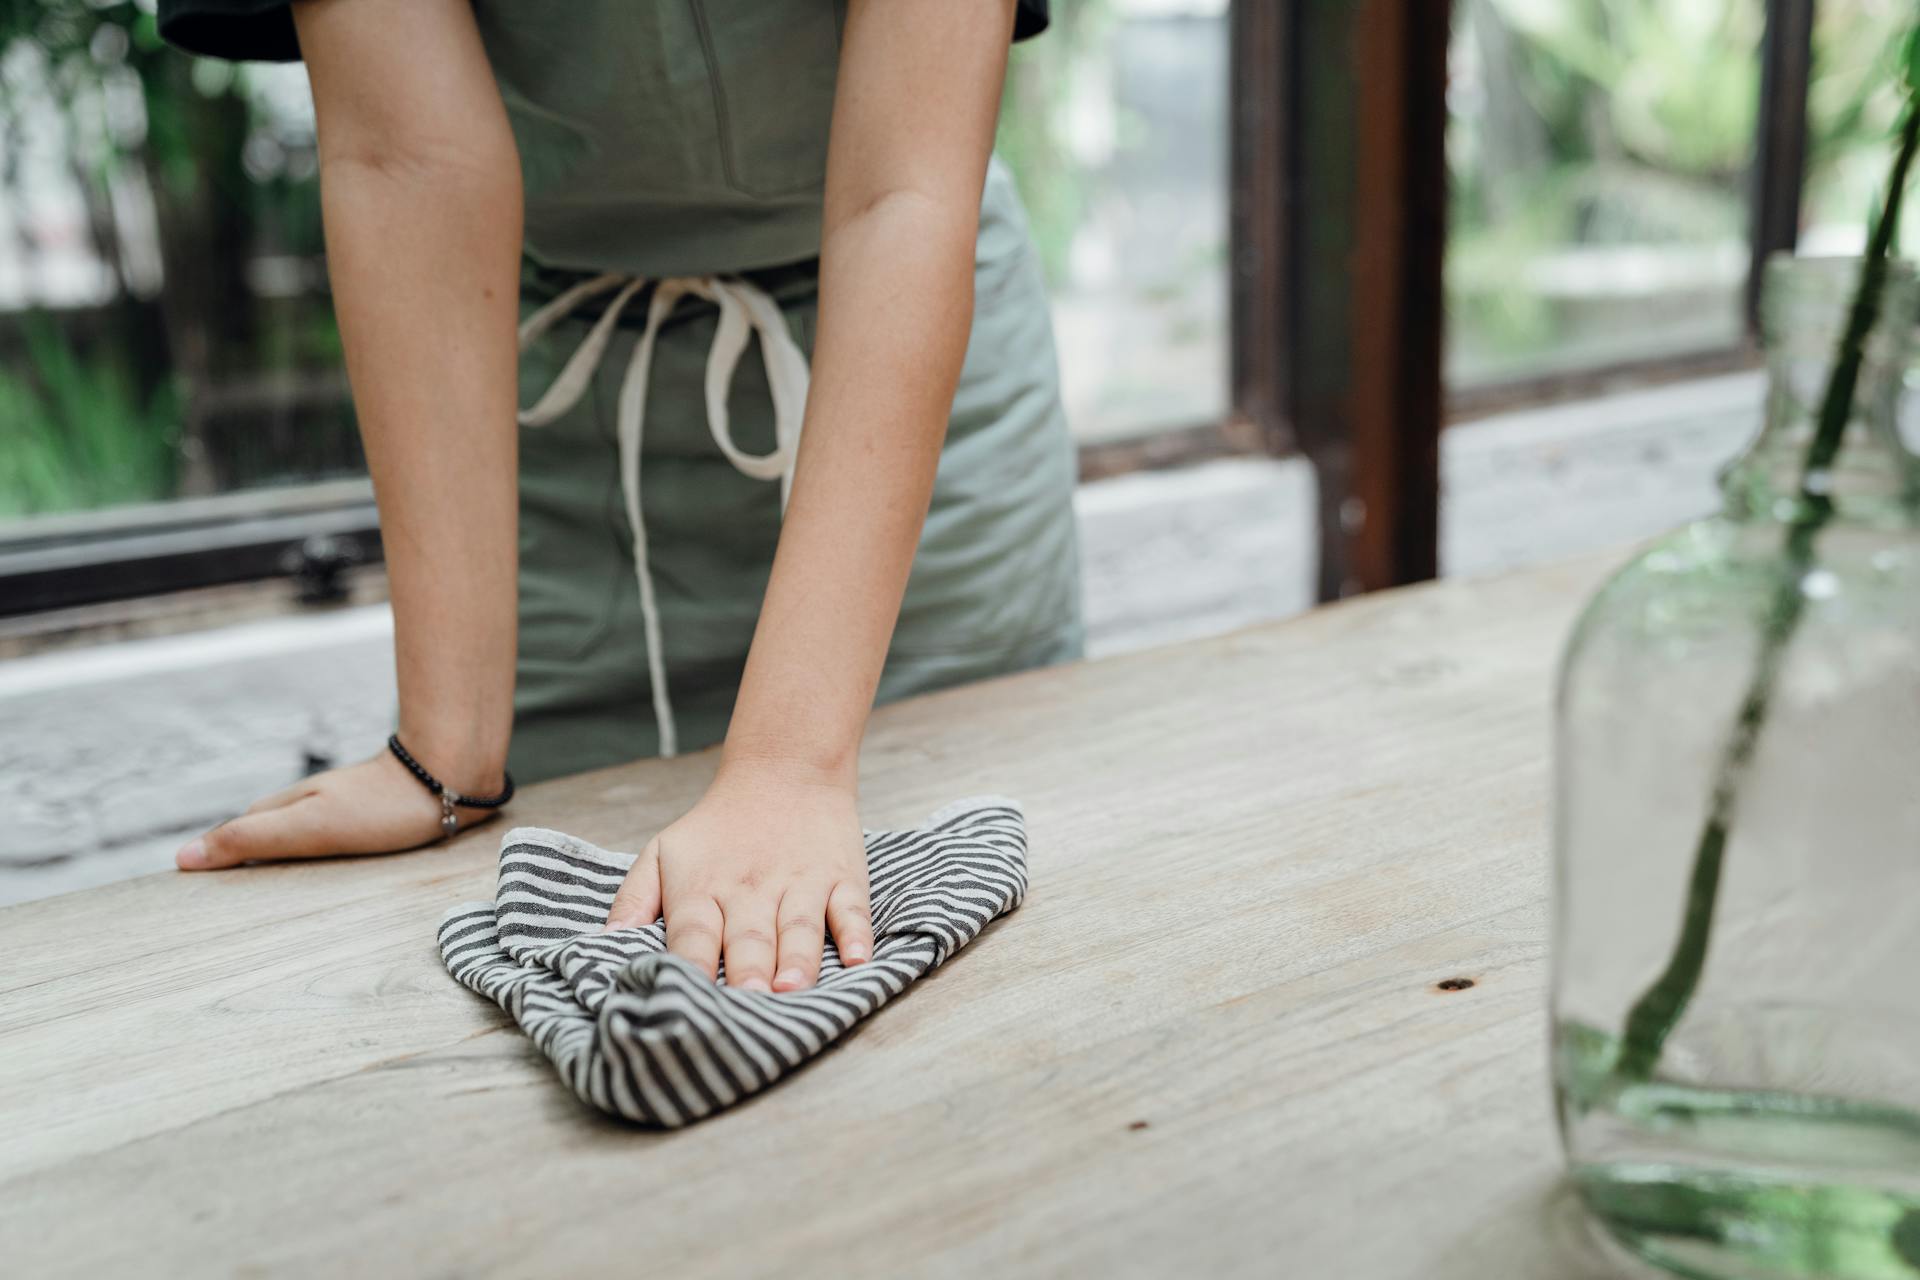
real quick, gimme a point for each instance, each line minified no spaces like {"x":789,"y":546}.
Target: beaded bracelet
{"x":449,"y":798}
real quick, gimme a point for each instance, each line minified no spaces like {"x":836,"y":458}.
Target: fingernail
{"x":615,"y":924}
{"x":854,"y":952}
{"x":192,"y":856}
{"x":788,"y":979}
{"x":754,"y":984}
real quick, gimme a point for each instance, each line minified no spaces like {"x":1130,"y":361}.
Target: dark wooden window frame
{"x":1339,"y":234}
{"x":1353,"y":236}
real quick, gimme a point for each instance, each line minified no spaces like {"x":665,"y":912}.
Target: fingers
{"x":637,"y":905}
{"x":693,"y":933}
{"x":282,"y":798}
{"x":851,"y":919}
{"x":802,"y":929}
{"x":749,"y":942}
{"x":295,"y":830}
{"x":229,"y":844}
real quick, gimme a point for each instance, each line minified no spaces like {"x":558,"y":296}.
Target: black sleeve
{"x":262,"y":30}
{"x":1029,"y":18}
{"x":242,"y":30}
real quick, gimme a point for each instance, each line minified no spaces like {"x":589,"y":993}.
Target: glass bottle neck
{"x":1873,"y":477}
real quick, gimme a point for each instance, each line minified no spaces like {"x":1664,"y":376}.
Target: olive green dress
{"x":674,"y":158}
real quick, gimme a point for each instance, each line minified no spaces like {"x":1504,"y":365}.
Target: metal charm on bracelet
{"x":449,"y":798}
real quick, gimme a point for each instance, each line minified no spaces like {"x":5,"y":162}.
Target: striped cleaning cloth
{"x":647,"y":1036}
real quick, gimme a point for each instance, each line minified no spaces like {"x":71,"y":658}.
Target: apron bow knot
{"x":745,"y":310}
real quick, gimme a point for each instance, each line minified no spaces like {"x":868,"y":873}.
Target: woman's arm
{"x":774,"y":849}
{"x":913,"y":122}
{"x":420,"y":190}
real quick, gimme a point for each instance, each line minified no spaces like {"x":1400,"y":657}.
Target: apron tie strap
{"x":745,"y":310}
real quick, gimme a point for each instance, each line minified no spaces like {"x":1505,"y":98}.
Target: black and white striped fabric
{"x":645,"y":1035}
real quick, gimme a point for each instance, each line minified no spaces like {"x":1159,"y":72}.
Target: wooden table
{"x":1210,"y":1042}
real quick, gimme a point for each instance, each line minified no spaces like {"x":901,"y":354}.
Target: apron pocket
{"x":773,"y":69}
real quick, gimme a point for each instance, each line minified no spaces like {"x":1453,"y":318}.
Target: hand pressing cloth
{"x":646,"y":1035}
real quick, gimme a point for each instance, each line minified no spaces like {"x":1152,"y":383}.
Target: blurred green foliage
{"x":1031,"y":137}
{"x":1588,"y":125}
{"x":1583,"y":127}
{"x":222,"y":183}
{"x":1853,"y":109}
{"x":77,"y":432}
{"x":1665,"y":85}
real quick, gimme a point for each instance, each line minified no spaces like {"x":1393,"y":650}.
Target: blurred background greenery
{"x":165,"y":329}
{"x":1600,"y":152}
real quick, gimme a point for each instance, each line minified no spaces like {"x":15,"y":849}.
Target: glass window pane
{"x":1599,"y":153}
{"x":1853,"y":106}
{"x":1115,"y":124}
{"x":164,"y":325}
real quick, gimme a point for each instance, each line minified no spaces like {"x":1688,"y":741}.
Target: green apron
{"x":687,"y":143}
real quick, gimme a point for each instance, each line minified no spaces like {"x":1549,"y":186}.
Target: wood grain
{"x":1210,"y":1041}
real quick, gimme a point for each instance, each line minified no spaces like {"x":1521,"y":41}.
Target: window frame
{"x":120,"y":553}
{"x":1381,"y":462}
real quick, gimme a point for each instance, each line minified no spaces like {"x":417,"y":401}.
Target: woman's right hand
{"x":375,"y":806}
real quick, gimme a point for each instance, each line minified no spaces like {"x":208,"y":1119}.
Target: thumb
{"x":342,"y":812}
{"x":294,"y":830}
{"x":637,"y":905}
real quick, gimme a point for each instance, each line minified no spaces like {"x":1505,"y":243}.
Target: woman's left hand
{"x":757,"y":871}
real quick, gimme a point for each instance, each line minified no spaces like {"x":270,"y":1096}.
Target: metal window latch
{"x":318,"y":567}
